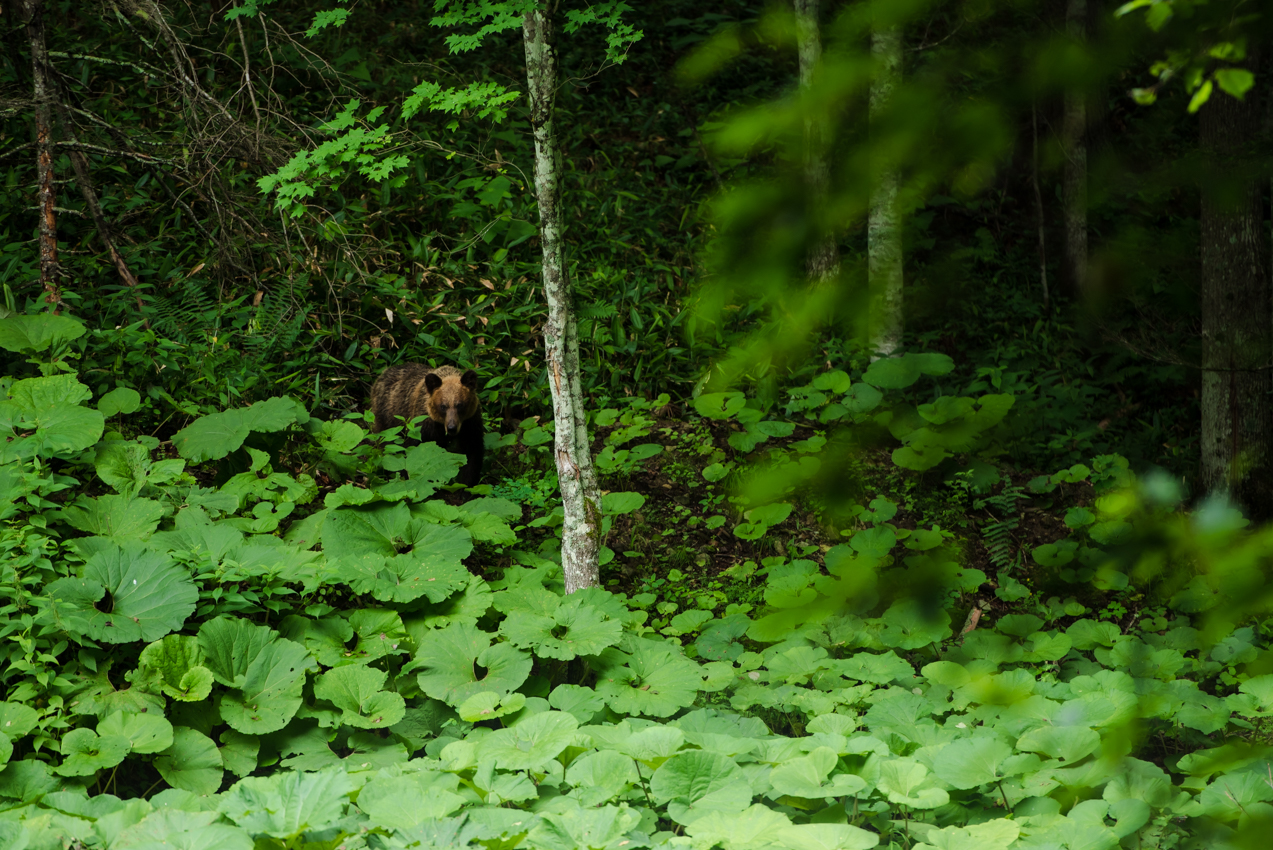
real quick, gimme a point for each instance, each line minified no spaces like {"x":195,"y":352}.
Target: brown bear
{"x":447,"y":397}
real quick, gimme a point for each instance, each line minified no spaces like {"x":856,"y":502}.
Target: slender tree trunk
{"x":884,"y":224}
{"x":32,"y":11}
{"x":1237,"y":308}
{"x":581,"y":532}
{"x":823,"y":263}
{"x":1038,"y":204}
{"x":1074,"y":134}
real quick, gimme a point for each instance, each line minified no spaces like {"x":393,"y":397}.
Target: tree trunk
{"x":42,"y":91}
{"x":1237,"y":308}
{"x":1074,"y":135}
{"x":884,"y":225}
{"x":823,"y":263}
{"x":1038,"y":204}
{"x":581,"y":532}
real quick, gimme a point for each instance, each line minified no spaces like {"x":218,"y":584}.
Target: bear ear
{"x":469,"y":379}
{"x":432,"y":382}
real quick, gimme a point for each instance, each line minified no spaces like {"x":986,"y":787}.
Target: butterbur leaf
{"x":121,"y":517}
{"x":807,"y":776}
{"x":720,"y":405}
{"x":17,"y":719}
{"x":488,"y":705}
{"x":36,"y":333}
{"x":903,"y":780}
{"x":286,"y":804}
{"x":356,"y":691}
{"x":572,"y":630}
{"x":119,"y":400}
{"x":654,"y":680}
{"x":230,"y":645}
{"x":970,"y":762}
{"x":695,"y":782}
{"x":150,"y":595}
{"x":450,"y":660}
{"x":577,"y":828}
{"x":825,"y":836}
{"x":84,"y":752}
{"x":909,"y":625}
{"x":145,"y":733}
{"x":239,"y":752}
{"x":621,"y":503}
{"x":216,"y":435}
{"x":1066,"y":743}
{"x":271,"y":690}
{"x":192,"y":763}
{"x":582,"y":702}
{"x":600,"y":777}
{"x":756,"y":827}
{"x":895,"y":373}
{"x":402,"y":802}
{"x":531,"y":743}
{"x":179,"y":662}
{"x":996,"y":834}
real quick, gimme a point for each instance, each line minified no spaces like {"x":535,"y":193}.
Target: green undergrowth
{"x":205,"y":649}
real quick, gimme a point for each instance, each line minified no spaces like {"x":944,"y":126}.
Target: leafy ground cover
{"x":274,"y":631}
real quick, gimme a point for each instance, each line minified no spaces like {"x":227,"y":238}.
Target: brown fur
{"x":446,"y":396}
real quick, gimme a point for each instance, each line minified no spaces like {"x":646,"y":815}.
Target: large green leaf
{"x":170,"y":828}
{"x":178,"y":661}
{"x":584,"y":829}
{"x":84,"y":752}
{"x":531,"y":743}
{"x":401,"y":802}
{"x":654,"y":680}
{"x":286,"y":804}
{"x":1066,"y":743}
{"x":572,"y":630}
{"x":121,"y":517}
{"x":908,"y":624}
{"x":895,"y":373}
{"x":192,"y":763}
{"x":450,"y":659}
{"x":403,"y":578}
{"x":271,"y":690}
{"x":807,"y":776}
{"x":755,"y":828}
{"x":695,"y":782}
{"x":366,"y":546}
{"x":125,"y":594}
{"x":972,"y":762}
{"x":36,"y":333}
{"x":230,"y":645}
{"x":600,"y":777}
{"x":45,"y":417}
{"x":145,"y":733}
{"x":126,"y":467}
{"x":216,"y":435}
{"x":119,"y":400}
{"x":907,"y":783}
{"x":356,"y":691}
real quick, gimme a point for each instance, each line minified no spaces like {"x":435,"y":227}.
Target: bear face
{"x":452,"y":398}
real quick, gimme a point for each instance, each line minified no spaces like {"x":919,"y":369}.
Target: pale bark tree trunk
{"x":581,"y":531}
{"x":32,"y":13}
{"x":823,"y":263}
{"x":884,"y":224}
{"x":1074,"y":135}
{"x":1237,"y":308}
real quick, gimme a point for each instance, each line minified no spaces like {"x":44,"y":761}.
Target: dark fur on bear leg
{"x":470,"y":442}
